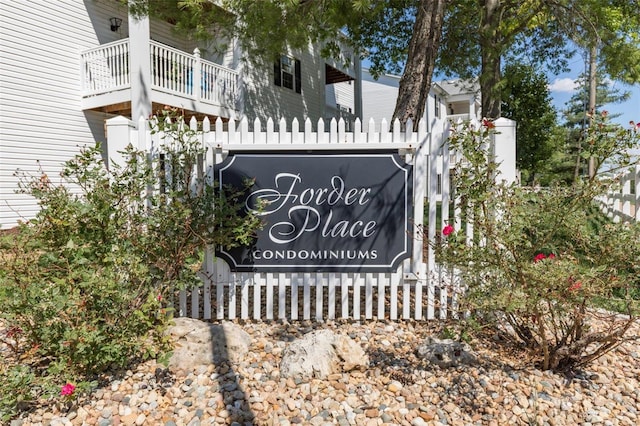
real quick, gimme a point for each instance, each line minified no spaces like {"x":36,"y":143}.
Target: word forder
{"x":304,"y":214}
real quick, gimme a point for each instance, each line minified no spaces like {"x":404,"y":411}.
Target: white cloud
{"x":565,"y":85}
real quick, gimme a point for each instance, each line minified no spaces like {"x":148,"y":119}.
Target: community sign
{"x":343,"y":212}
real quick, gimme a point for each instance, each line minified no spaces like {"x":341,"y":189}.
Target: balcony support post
{"x":140,"y":60}
{"x":197,"y":75}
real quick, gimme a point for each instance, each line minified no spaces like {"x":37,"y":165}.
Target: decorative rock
{"x":446,"y":353}
{"x":198,"y":343}
{"x":397,"y":390}
{"x":321,"y":353}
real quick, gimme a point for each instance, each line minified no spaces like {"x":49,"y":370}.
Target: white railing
{"x":106,"y":69}
{"x":219,"y":85}
{"x":623,"y":205}
{"x":171,"y":69}
{"x":418,"y":289}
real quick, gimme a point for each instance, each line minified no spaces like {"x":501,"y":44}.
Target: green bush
{"x":540,"y":262}
{"x":87,"y":285}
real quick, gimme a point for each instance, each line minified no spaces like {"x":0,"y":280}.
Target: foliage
{"x":536,"y":264}
{"x":484,"y":34}
{"x":576,"y":121}
{"x":476,"y":37}
{"x":527,"y":101}
{"x":88,"y":284}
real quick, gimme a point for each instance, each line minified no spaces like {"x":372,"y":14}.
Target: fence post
{"x":118,"y":137}
{"x":504,"y":149}
{"x":197,"y":81}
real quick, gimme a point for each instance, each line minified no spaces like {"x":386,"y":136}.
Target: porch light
{"x":115,"y":23}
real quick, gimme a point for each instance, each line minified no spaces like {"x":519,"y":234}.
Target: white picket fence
{"x":624,"y":205}
{"x":418,"y":289}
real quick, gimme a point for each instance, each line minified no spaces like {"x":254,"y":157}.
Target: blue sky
{"x":562,"y":88}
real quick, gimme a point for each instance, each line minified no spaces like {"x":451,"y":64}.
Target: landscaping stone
{"x":398,"y":388}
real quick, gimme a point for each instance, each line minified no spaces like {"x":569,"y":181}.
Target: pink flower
{"x":575,"y":286}
{"x":488,"y":123}
{"x":551,"y":256}
{"x":67,"y":390}
{"x":539,"y":257}
{"x":447,"y":230}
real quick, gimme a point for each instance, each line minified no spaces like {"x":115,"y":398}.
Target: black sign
{"x":323,"y":212}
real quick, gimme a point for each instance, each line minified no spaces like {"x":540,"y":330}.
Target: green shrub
{"x":87,"y":285}
{"x":536,"y":264}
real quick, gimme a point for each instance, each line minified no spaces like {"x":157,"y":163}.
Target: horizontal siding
{"x":378,"y":101}
{"x":344,"y":94}
{"x":266,"y":100}
{"x":40,"y":114}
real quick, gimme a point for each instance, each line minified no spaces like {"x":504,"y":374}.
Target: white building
{"x":452,"y":99}
{"x":69,"y":65}
{"x":448,"y":99}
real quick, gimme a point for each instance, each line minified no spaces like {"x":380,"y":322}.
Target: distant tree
{"x":526,"y":99}
{"x":576,"y":118}
{"x":480,"y":35}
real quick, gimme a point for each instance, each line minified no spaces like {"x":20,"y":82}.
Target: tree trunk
{"x":490,"y":47}
{"x":593,"y":53}
{"x":418,"y":72}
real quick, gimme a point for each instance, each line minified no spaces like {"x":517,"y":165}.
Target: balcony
{"x":106,"y":81}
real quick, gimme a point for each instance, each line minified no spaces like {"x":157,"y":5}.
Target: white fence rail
{"x":417,"y":289}
{"x":624,"y":204}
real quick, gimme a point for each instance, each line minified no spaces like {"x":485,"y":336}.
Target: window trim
{"x":279,"y":70}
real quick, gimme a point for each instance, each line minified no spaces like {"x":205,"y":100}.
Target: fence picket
{"x":231,"y":307}
{"x":306,"y":296}
{"x":381,"y":279}
{"x":258,"y":284}
{"x":368,"y":312}
{"x":393,"y":296}
{"x":319,"y":282}
{"x":269,"y":301}
{"x":244,"y":305}
{"x":282,"y":295}
{"x":344,"y":294}
{"x":331,"y":296}
{"x":357,"y":282}
{"x":623,"y":204}
{"x":221,"y":280}
{"x":406,"y":299}
{"x":294,"y":296}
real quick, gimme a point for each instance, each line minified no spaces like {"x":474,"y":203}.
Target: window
{"x":287,"y":73}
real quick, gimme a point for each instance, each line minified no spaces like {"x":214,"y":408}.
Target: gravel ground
{"x":398,"y":388}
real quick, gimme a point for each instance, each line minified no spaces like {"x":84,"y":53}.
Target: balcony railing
{"x":106,"y":69}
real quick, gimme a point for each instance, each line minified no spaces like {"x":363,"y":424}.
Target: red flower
{"x":539,"y":257}
{"x":488,"y":123}
{"x":447,"y":230}
{"x":575,"y":286}
{"x":551,"y":256}
{"x":67,"y":390}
